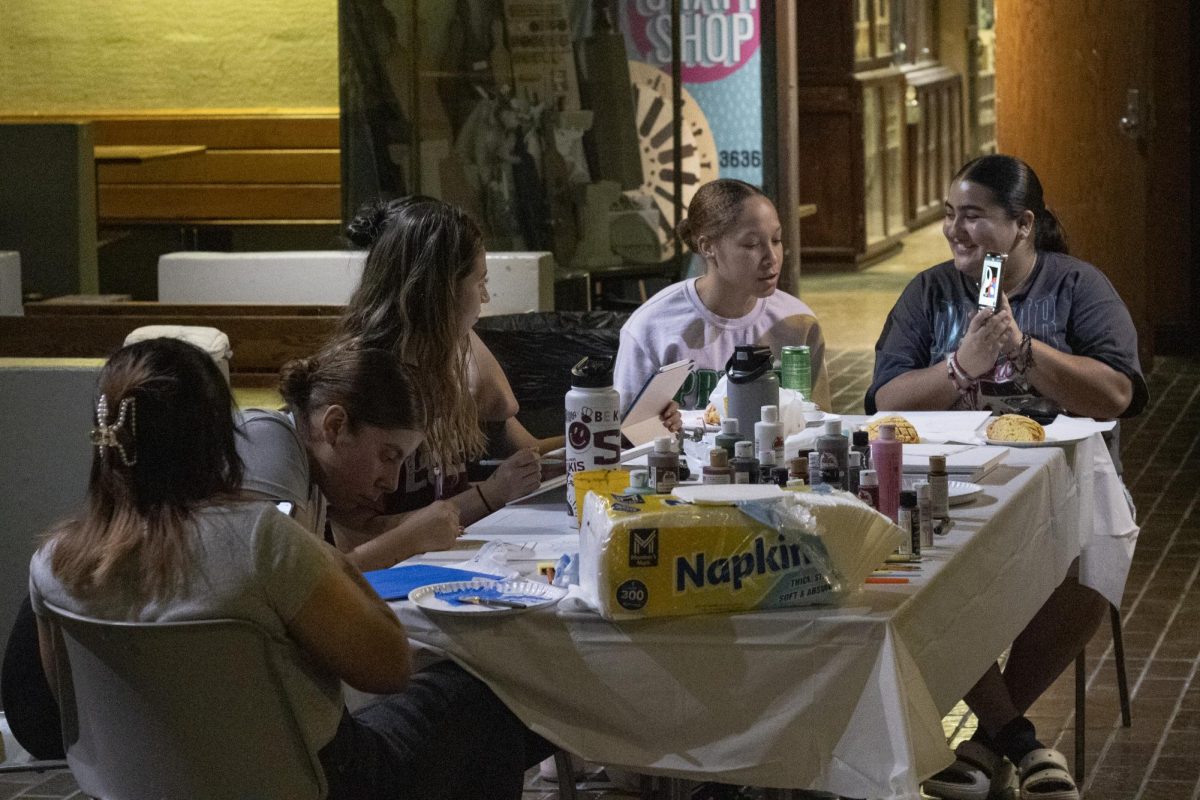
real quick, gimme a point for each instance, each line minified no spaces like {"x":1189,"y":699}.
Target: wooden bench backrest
{"x":262,"y":337}
{"x":259,"y":166}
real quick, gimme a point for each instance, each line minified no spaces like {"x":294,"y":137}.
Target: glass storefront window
{"x":551,"y":121}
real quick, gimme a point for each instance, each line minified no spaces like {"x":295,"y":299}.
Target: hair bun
{"x":684,"y":230}
{"x":366,"y":226}
{"x":295,"y":380}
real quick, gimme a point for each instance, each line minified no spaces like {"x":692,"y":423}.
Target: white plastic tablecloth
{"x":848,"y":699}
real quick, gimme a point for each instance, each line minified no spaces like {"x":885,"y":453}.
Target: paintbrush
{"x":491,"y":602}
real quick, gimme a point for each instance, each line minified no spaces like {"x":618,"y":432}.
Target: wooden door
{"x":1063,"y":74}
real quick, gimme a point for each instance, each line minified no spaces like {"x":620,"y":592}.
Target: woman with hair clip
{"x":1059,"y":340}
{"x":734,"y":227}
{"x":352,"y":416}
{"x":423,"y":284}
{"x":167,"y":535}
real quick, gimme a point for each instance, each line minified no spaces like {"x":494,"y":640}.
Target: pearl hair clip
{"x":105,"y":435}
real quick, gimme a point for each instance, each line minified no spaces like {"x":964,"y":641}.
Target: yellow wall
{"x":95,"y":55}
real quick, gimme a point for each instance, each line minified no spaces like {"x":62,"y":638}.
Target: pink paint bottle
{"x":888,"y":464}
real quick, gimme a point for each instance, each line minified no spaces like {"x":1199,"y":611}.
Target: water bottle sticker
{"x":579,"y":435}
{"x":591,"y":416}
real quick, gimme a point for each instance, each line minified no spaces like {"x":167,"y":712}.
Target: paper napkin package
{"x":663,"y":557}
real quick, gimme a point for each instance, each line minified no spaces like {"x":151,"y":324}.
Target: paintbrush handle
{"x":494,"y":602}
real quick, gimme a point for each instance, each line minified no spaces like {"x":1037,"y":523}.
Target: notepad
{"x":397,"y":582}
{"x":641,"y":424}
{"x":965,"y":461}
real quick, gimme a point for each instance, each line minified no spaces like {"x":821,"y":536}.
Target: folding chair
{"x":178,"y":710}
{"x":1081,"y":690}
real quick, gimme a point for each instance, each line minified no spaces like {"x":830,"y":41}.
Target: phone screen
{"x":989,"y":280}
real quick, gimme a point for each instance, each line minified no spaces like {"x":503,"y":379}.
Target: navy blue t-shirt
{"x":1067,"y":304}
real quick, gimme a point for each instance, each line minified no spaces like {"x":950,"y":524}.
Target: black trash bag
{"x":538,"y":349}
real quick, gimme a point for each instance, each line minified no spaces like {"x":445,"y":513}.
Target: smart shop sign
{"x":721,"y":69}
{"x":716,"y":36}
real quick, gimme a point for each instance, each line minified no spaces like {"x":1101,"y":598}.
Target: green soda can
{"x":796,"y":372}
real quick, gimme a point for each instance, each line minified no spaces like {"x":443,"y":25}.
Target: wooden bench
{"x":257,"y":166}
{"x":263,"y":337}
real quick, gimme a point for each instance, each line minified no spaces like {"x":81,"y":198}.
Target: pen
{"x":879,"y":579}
{"x":494,"y":602}
{"x":899,"y":568}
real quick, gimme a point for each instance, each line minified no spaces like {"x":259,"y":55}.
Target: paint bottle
{"x":939,"y":488}
{"x":780,"y":477}
{"x":798,"y":469}
{"x":728,"y":436}
{"x":908,"y":518}
{"x":854,"y":476}
{"x":639,"y":483}
{"x":768,"y":433}
{"x":924,"y":506}
{"x":833,"y":453}
{"x":744,"y":464}
{"x":887,"y":461}
{"x":684,"y":471}
{"x":717,"y":470}
{"x":868,"y":488}
{"x":593,"y":421}
{"x":664,"y":466}
{"x":766,"y":465}
{"x":860,"y":443}
{"x":814,"y":469}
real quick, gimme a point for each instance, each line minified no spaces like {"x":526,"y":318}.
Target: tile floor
{"x":1158,"y":758}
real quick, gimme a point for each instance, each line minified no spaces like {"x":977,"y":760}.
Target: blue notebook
{"x":397,"y":582}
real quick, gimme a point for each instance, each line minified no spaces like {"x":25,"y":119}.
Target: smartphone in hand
{"x":989,"y":280}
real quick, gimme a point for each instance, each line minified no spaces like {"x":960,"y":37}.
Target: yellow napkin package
{"x":656,"y":556}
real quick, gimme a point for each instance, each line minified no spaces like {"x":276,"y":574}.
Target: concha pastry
{"x":905,"y":432}
{"x":1015,"y":428}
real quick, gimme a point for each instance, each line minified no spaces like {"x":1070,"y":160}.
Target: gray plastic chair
{"x":166,"y":711}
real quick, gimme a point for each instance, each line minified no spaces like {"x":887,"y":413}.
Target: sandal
{"x":1045,"y":776}
{"x":972,"y":775}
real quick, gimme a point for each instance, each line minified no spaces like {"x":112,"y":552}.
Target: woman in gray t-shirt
{"x":167,"y":534}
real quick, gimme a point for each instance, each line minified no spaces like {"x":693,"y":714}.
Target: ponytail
{"x":1048,"y":233}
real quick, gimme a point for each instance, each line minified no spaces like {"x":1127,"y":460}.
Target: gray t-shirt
{"x":245,"y":561}
{"x":276,"y":465}
{"x":1067,"y":304}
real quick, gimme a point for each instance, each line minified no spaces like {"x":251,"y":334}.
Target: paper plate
{"x":442,"y":598}
{"x":725,"y":494}
{"x":962,"y":492}
{"x":1050,"y":441}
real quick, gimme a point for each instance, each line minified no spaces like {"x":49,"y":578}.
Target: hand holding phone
{"x":989,"y":280}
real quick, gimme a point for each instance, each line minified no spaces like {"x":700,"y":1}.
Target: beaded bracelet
{"x":958,"y":376}
{"x":968,"y":387}
{"x":1023,"y":361}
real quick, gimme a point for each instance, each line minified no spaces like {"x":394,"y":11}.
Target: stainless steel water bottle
{"x":752,"y":384}
{"x":593,"y":418}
